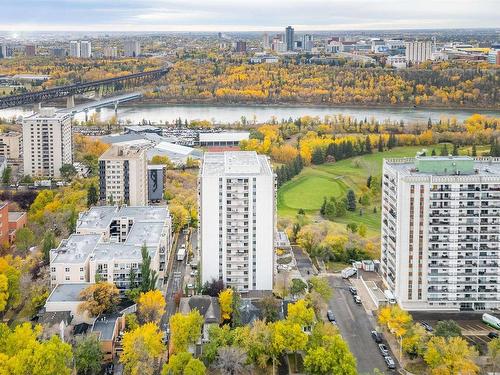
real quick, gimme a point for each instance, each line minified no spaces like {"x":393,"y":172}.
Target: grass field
{"x":308,"y":189}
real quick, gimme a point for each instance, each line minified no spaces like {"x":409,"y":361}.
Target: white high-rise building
{"x":111,"y":52}
{"x":417,"y":52}
{"x":265,"y":42}
{"x":237,"y":219}
{"x":307,"y":42}
{"x":74,"y":49}
{"x":123,"y":175}
{"x":131,"y":48}
{"x":46,"y":142}
{"x":85,"y":49}
{"x":441,"y":232}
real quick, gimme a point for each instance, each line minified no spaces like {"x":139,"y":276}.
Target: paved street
{"x":174,"y":283}
{"x":355,"y":326}
{"x":303,"y":262}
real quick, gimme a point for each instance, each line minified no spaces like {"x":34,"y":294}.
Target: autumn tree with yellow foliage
{"x":226,"y":304}
{"x":151,"y":306}
{"x":142,"y":347}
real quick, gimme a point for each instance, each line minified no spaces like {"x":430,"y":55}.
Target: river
{"x":229,"y":114}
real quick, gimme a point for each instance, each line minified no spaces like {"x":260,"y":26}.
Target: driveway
{"x":304,"y":263}
{"x":356,"y":325}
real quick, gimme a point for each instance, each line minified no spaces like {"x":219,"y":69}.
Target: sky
{"x":244,"y":15}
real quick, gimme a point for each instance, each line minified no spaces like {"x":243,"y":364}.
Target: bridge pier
{"x":37,"y":107}
{"x":116,"y":107}
{"x":86,"y":115}
{"x":70,"y":101}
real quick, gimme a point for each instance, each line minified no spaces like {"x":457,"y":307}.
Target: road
{"x":355,"y":326}
{"x":304,"y":263}
{"x":174,"y":282}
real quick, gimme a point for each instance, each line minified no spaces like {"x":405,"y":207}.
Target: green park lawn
{"x":308,"y":189}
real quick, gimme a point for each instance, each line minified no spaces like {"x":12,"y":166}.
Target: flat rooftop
{"x":224,"y":136}
{"x":105,"y":325}
{"x":125,"y":150}
{"x":67,"y":292}
{"x":446,"y":166}
{"x":238,"y":163}
{"x":97,"y":218}
{"x":76,"y":248}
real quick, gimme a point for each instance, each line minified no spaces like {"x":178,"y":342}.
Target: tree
{"x":444,"y":150}
{"x":414,"y":340}
{"x":148,"y":276}
{"x":151,"y":306}
{"x":362,"y":230}
{"x":269,"y":308}
{"x":352,"y":227}
{"x":330,"y":355}
{"x":474,"y":150}
{"x":88,"y":355}
{"x":25,"y":238}
{"x":287,"y":337}
{"x":395,"y":319}
{"x":298,"y":287}
{"x":321,"y":286}
{"x":218,"y":338}
{"x":99,"y":298}
{"x":231,"y":361}
{"x":185,"y":330}
{"x":226,"y":304}
{"x":68,"y":171}
{"x":448,"y":328}
{"x":48,"y":243}
{"x":92,"y":197}
{"x":494,"y":353}
{"x":318,"y":157}
{"x":162,"y":160}
{"x":300,"y":313}
{"x":141,"y":347}
{"x":21,"y":352}
{"x":10,"y":276}
{"x":213,"y":288}
{"x":180,"y":216}
{"x":368,"y":145}
{"x":369,"y":181}
{"x":6,"y":175}
{"x":351,"y":200}
{"x":183,"y":363}
{"x":450,"y":356}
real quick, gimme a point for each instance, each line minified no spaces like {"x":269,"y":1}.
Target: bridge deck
{"x":104,"y":102}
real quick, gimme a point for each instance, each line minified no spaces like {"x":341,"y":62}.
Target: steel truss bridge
{"x":80,"y":88}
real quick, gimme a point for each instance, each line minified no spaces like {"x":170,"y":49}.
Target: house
{"x":209,"y":309}
{"x":17,"y":220}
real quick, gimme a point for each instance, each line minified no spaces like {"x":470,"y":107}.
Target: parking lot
{"x":473,"y":329}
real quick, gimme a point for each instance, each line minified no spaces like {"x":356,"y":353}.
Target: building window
{"x":66,"y":269}
{"x":52,"y":269}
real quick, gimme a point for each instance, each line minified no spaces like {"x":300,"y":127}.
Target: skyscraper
{"x":131,"y":48}
{"x":85,"y":49}
{"x":265,"y":42}
{"x":74,"y":49}
{"x":289,"y":38}
{"x":307,"y":42}
{"x":237,"y":219}
{"x":46,"y":143}
{"x":441,"y":232}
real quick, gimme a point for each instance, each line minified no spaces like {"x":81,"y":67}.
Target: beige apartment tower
{"x":46,"y":143}
{"x":123,"y":175}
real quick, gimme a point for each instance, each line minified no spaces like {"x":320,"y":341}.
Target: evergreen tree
{"x":429,"y":123}
{"x":455,"y":150}
{"x":433,"y":152}
{"x":369,"y":181}
{"x":331,"y":208}
{"x":148,"y":276}
{"x":318,"y":157}
{"x":380,"y":144}
{"x":340,"y":208}
{"x":92,"y":197}
{"x":474,"y":151}
{"x":368,"y":145}
{"x":323,"y":207}
{"x":444,"y":150}
{"x":351,"y":200}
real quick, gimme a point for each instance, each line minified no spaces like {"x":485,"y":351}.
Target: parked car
{"x":330,"y":316}
{"x":427,"y":326}
{"x":390,"y":362}
{"x":357,"y":299}
{"x":383,"y":349}
{"x":377,"y":337}
{"x":353,"y":290}
{"x":493,"y":335}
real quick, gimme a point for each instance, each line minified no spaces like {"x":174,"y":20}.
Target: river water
{"x":229,"y":114}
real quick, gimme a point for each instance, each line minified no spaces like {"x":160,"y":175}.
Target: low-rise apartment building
{"x":108,"y":245}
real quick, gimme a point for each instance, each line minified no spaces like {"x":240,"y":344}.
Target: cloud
{"x":233,"y":15}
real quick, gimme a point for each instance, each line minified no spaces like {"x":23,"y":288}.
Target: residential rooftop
{"x":235,"y":163}
{"x":125,"y":151}
{"x":446,"y":166}
{"x":76,"y":248}
{"x":67,"y":292}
